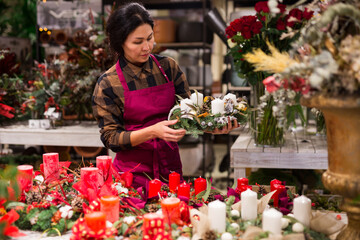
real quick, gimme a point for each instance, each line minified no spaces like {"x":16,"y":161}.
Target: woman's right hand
{"x":162,"y":131}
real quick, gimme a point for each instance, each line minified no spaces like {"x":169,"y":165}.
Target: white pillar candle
{"x":197,"y":98}
{"x":184,"y":104}
{"x":302,"y":210}
{"x":217,"y":216}
{"x":271,"y":221}
{"x":248,"y":205}
{"x":217,"y":106}
{"x":231,"y":96}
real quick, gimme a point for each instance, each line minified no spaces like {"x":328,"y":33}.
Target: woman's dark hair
{"x":125,"y":20}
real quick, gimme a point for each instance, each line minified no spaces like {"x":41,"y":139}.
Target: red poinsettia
{"x":7,"y":220}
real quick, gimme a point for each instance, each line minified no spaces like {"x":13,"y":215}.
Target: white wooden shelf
{"x":299,"y":152}
{"x":84,"y":134}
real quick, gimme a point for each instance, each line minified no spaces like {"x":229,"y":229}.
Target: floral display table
{"x":299,"y":152}
{"x":84,"y":134}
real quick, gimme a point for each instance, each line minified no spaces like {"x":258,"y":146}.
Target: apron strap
{"x":159,"y":66}
{"x":121,"y":77}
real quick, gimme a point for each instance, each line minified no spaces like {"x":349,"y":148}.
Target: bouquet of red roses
{"x":270,"y":23}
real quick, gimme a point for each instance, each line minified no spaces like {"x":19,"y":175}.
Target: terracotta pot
{"x":342,"y":118}
{"x":88,"y":151}
{"x":164,"y":30}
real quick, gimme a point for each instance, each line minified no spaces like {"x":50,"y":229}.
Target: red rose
{"x":246,"y":33}
{"x":280,"y":25}
{"x":262,"y":7}
{"x":308,"y":14}
{"x":299,"y":85}
{"x":256,"y":27}
{"x":282,"y":7}
{"x":296,"y":13}
{"x":271,"y":84}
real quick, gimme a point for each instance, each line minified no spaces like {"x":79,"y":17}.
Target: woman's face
{"x":139,"y":44}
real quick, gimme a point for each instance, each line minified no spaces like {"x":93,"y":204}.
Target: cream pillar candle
{"x":217,"y":106}
{"x":184,"y":104}
{"x":302,"y":210}
{"x":197,"y":98}
{"x":271,"y":221}
{"x":248,"y":205}
{"x":231,"y":96}
{"x":217,"y":216}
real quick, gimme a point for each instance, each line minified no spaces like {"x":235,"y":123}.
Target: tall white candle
{"x":302,"y":210}
{"x":248,"y":205}
{"x":184,"y":104}
{"x":217,"y":106}
{"x":197,"y":98}
{"x":231,"y":96}
{"x":271,"y":221}
{"x":217,"y":216}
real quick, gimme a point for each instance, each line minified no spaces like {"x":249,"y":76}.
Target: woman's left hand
{"x":227,"y":128}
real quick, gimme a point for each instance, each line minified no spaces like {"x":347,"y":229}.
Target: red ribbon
{"x":6,"y":110}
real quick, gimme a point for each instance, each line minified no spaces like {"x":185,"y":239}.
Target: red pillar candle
{"x":279,"y":189}
{"x":273,"y":182}
{"x":91,"y":175}
{"x":243,"y":188}
{"x":154,"y":188}
{"x":110,"y":206}
{"x":242,"y":181}
{"x":51,"y":166}
{"x":96,"y":221}
{"x":104,"y":164}
{"x":184,"y":190}
{"x":25,"y":177}
{"x":200,"y":185}
{"x":170,"y":209}
{"x":174,"y":181}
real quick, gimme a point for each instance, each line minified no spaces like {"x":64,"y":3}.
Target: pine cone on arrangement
{"x":262,"y":190}
{"x":210,"y":235}
{"x":165,"y":188}
{"x":77,"y":204}
{"x":211,"y":197}
{"x":33,"y":197}
{"x":152,"y":208}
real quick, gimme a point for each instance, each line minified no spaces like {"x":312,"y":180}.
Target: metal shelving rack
{"x":181,"y":4}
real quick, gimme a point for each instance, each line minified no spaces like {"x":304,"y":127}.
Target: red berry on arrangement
{"x":338,"y":217}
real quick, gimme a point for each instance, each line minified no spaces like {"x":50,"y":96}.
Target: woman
{"x":131,"y":101}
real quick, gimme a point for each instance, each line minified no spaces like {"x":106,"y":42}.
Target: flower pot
{"x":342,"y":117}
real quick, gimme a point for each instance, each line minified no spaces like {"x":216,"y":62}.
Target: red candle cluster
{"x":154,"y":188}
{"x":110,"y":206}
{"x":184,"y":190}
{"x":25,"y":177}
{"x":51,"y":166}
{"x":104,"y":164}
{"x":243,"y":185}
{"x":174,"y":181}
{"x":199,"y":185}
{"x":276,"y":185}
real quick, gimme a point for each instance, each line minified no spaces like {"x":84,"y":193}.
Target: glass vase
{"x":263,"y":123}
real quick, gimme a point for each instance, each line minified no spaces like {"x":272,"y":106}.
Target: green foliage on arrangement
{"x":200,"y":119}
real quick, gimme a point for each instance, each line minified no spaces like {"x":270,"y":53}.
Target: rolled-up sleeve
{"x":108,"y":111}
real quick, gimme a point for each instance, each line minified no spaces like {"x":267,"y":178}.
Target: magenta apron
{"x":143,"y":108}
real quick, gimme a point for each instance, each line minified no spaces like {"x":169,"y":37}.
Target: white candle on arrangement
{"x":231,"y":96}
{"x":302,"y":210}
{"x":217,"y":216}
{"x":217,"y":106}
{"x":197,"y":98}
{"x":184,"y":104}
{"x":271,"y":221}
{"x":248,"y":205}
